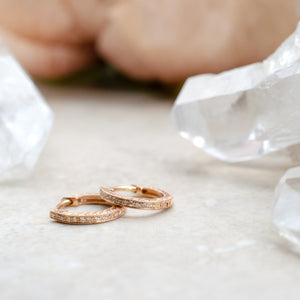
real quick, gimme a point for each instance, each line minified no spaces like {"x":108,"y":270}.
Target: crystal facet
{"x":246,"y":112}
{"x":286,"y":210}
{"x":25,"y":119}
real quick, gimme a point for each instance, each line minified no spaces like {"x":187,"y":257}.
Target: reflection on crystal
{"x":246,"y":112}
{"x":25,"y":119}
{"x":286,"y":211}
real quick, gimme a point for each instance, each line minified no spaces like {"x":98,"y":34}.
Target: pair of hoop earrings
{"x":146,"y":198}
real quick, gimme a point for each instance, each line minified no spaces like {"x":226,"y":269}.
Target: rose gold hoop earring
{"x":60,"y":214}
{"x":147,"y":198}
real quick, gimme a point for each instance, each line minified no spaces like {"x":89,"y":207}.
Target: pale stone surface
{"x":246,"y":112}
{"x":217,"y":242}
{"x":25,"y":119}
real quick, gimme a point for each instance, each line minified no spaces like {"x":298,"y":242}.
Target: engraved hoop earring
{"x":60,"y":214}
{"x":146,"y":197}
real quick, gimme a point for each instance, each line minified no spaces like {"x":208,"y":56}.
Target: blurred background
{"x":162,"y":41}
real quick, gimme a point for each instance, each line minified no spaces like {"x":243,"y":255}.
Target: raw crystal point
{"x":25,"y":119}
{"x":246,"y":112}
{"x":286,"y":211}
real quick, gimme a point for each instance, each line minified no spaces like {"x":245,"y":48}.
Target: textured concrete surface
{"x":217,"y":242}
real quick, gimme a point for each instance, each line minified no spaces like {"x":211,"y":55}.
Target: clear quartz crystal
{"x":246,"y":112}
{"x":286,"y":210}
{"x":25,"y":119}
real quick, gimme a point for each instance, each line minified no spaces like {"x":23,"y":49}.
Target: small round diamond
{"x":151,"y":205}
{"x":89,"y":219}
{"x":68,"y":219}
{"x":131,"y":203}
{"x":120,"y":212}
{"x":82,"y":219}
{"x":109,"y":216}
{"x":124,"y":202}
{"x":62,"y":218}
{"x":116,"y":214}
{"x":56,"y":216}
{"x":104,"y":218}
{"x":74,"y":219}
{"x":137,"y":204}
{"x":97,"y":219}
{"x":144,"y":205}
